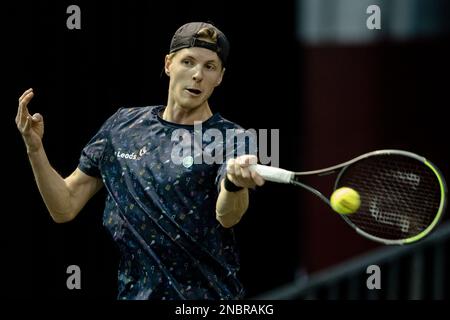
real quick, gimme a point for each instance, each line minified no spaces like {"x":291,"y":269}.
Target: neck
{"x":178,"y":114}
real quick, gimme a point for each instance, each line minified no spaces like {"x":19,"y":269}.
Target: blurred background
{"x":311,"y":68}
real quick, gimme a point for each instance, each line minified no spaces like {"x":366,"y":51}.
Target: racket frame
{"x":285,"y":176}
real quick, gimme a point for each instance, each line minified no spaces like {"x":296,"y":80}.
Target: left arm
{"x":231,"y":206}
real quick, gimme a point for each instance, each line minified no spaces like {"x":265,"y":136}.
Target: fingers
{"x":37,"y":117}
{"x":257,"y":178}
{"x":234,"y":172}
{"x":27,"y":124}
{"x":240,"y":173}
{"x":241,"y":169}
{"x":24,"y":100}
{"x":25,"y":93}
{"x":22,"y":112}
{"x":247,"y":160}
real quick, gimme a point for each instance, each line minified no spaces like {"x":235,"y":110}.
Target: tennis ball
{"x":345,"y":200}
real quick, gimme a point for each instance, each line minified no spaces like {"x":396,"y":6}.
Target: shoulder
{"x":129,"y":113}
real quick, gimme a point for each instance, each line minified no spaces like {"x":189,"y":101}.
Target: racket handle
{"x":273,"y":174}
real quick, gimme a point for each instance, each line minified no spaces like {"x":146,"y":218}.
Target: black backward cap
{"x":186,"y":37}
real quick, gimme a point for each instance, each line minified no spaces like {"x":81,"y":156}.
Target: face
{"x":194,"y":73}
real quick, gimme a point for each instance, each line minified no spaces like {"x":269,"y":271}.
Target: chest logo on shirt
{"x":188,"y":161}
{"x":132,"y":156}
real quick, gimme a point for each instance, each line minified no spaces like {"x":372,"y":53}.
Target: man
{"x":171,"y":221}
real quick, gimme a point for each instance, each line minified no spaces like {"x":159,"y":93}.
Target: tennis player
{"x":172,"y":222}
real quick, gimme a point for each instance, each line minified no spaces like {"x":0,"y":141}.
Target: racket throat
{"x":312,"y":190}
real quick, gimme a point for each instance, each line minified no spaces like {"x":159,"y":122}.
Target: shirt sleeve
{"x":241,"y":143}
{"x":92,"y":153}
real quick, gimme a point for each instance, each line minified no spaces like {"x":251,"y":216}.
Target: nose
{"x":198,"y":74}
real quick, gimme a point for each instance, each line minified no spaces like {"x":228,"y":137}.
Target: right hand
{"x":31,"y":127}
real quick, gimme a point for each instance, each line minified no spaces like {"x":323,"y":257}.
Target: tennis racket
{"x":403,"y":195}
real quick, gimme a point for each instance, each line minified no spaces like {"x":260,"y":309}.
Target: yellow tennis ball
{"x":345,"y":200}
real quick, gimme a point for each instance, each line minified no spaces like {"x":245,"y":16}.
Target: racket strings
{"x":400,"y":196}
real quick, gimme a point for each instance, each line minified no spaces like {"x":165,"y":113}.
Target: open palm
{"x":31,"y":127}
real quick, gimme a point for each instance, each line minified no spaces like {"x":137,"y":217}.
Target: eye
{"x":211,"y":67}
{"x":187,"y":62}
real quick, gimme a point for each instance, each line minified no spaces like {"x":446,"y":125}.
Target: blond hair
{"x":207,"y":34}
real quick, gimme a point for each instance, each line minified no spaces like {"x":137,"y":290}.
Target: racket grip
{"x":273,"y":174}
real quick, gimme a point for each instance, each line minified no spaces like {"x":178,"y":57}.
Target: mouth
{"x":194,"y":91}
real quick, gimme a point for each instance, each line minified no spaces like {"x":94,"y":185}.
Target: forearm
{"x":51,"y":185}
{"x":231,"y":206}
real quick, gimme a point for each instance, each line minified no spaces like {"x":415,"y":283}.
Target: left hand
{"x":239,"y":173}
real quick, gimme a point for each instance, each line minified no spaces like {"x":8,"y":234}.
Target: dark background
{"x":80,"y":77}
{"x":330,"y":102}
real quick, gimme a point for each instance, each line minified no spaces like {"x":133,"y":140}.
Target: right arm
{"x":64,"y":198}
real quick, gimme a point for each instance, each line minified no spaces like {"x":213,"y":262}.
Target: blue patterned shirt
{"x":160,"y":213}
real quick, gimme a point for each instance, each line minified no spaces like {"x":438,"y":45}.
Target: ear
{"x":167,"y":63}
{"x":219,"y":81}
